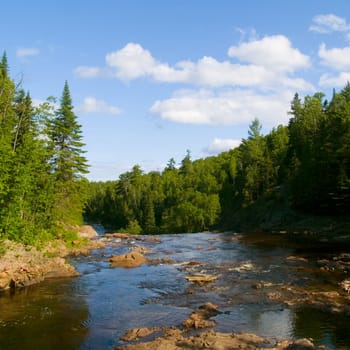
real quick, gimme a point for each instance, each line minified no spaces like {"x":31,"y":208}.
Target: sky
{"x":151,"y":79}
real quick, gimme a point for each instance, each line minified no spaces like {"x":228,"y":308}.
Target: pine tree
{"x":68,"y":161}
{"x":7,"y":124}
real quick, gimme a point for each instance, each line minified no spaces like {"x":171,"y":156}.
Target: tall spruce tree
{"x":68,"y":162}
{"x":7,"y":124}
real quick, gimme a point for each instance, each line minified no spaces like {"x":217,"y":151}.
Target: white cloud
{"x":238,"y":106}
{"x":336,"y":58}
{"x":340,"y":80}
{"x":272,"y":52}
{"x":258,"y":79}
{"x":26,"y":52}
{"x":90,"y":72}
{"x":329,"y":23}
{"x":267,"y":65}
{"x":220,"y":145}
{"x":92,"y":105}
{"x":131,"y":62}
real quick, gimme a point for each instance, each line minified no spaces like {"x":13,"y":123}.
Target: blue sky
{"x":151,"y":79}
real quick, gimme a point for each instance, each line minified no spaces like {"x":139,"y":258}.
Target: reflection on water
{"x":47,"y":316}
{"x":95,"y":309}
{"x":328,"y":329}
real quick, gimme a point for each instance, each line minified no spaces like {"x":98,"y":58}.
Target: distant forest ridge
{"x":304,"y":166}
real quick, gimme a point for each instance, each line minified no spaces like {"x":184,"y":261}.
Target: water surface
{"x":94,"y":310}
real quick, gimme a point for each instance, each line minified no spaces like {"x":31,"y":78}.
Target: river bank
{"x":22,"y":266}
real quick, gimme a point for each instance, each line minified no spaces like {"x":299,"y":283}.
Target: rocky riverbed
{"x":194,"y":291}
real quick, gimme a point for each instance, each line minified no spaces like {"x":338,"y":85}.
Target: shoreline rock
{"x":87,"y":231}
{"x":23,"y":266}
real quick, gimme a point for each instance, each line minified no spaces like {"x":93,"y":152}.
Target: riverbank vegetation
{"x":295,"y":176}
{"x":42,"y":188}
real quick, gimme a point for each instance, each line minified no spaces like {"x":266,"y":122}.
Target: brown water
{"x":92,"y":311}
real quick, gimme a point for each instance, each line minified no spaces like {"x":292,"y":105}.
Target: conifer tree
{"x":7,"y":123}
{"x":68,"y":162}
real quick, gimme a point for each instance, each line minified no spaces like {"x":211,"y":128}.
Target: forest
{"x":267,"y":182}
{"x":303,"y":167}
{"x":42,"y":164}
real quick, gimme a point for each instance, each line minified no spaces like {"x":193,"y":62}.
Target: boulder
{"x":87,"y":231}
{"x":200,"y":318}
{"x":129,"y":260}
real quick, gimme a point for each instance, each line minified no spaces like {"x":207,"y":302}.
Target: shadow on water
{"x":46,"y":316}
{"x":326,"y":328}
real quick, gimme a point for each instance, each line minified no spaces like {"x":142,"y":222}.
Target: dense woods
{"x":302,"y":167}
{"x":41,"y":166}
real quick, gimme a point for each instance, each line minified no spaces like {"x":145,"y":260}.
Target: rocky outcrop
{"x":22,"y":266}
{"x":87,"y":231}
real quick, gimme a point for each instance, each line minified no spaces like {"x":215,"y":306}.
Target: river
{"x":94,"y":310}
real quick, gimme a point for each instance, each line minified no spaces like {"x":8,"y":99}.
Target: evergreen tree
{"x":68,"y":162}
{"x":7,"y":124}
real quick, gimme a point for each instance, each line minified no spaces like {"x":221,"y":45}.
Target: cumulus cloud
{"x":258,"y":79}
{"x":26,"y":52}
{"x":92,"y":105}
{"x":235,"y":107}
{"x":333,"y":81}
{"x":220,"y":145}
{"x":272,"y":52}
{"x":329,"y":23}
{"x":133,"y":61}
{"x":264,"y":63}
{"x":336,"y":58}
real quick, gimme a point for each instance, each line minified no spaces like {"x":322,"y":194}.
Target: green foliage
{"x":67,"y":162}
{"x":305,"y":165}
{"x":70,"y":237}
{"x":133,"y":228}
{"x":41,"y":165}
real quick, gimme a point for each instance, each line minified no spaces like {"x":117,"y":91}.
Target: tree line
{"x":42,"y":163}
{"x":303,"y":166}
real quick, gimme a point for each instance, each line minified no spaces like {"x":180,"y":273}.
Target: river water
{"x":94,"y":310}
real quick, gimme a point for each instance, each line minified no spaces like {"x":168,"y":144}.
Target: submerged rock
{"x":202,"y":278}
{"x":137,"y":333}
